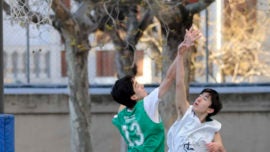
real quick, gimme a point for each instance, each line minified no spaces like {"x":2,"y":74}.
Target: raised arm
{"x":167,"y":81}
{"x":181,"y":101}
{"x":180,"y":89}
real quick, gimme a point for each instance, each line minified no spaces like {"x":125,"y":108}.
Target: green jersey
{"x":140,"y":132}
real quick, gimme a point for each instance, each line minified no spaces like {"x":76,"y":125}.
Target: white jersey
{"x":188,"y":134}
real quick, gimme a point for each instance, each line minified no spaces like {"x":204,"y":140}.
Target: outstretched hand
{"x":190,"y":37}
{"x":215,"y":147}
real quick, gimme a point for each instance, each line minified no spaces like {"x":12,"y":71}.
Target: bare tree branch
{"x":198,"y":6}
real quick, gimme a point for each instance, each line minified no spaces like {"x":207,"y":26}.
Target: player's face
{"x":139,"y":90}
{"x":202,"y":104}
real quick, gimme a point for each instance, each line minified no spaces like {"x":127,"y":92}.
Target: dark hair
{"x":215,"y":102}
{"x":122,"y":90}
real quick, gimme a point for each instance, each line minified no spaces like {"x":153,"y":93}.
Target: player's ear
{"x":210,"y":110}
{"x":134,"y":97}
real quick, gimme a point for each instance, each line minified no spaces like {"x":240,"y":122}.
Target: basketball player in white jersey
{"x":195,"y":131}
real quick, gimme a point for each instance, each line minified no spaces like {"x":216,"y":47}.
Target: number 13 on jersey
{"x":133,"y":134}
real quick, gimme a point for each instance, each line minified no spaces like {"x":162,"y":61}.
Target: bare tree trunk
{"x":126,"y":47}
{"x":79,"y":100}
{"x":75,"y":36}
{"x":124,"y":62}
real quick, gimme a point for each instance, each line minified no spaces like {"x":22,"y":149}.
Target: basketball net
{"x":25,"y":12}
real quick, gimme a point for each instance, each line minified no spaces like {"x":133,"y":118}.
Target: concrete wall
{"x":246,"y":121}
{"x":42,"y":121}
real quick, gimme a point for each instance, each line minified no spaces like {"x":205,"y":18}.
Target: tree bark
{"x":126,"y":47}
{"x":79,"y":100}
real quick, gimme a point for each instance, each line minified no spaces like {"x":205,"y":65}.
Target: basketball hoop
{"x":25,"y":12}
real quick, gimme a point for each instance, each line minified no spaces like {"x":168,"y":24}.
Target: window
{"x":63,"y":64}
{"x":105,"y":63}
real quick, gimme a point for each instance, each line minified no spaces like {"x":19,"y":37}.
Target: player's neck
{"x":201,"y":116}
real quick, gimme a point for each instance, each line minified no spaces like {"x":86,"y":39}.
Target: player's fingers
{"x":195,"y":32}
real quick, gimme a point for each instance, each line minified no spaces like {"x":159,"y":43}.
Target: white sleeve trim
{"x":151,"y":102}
